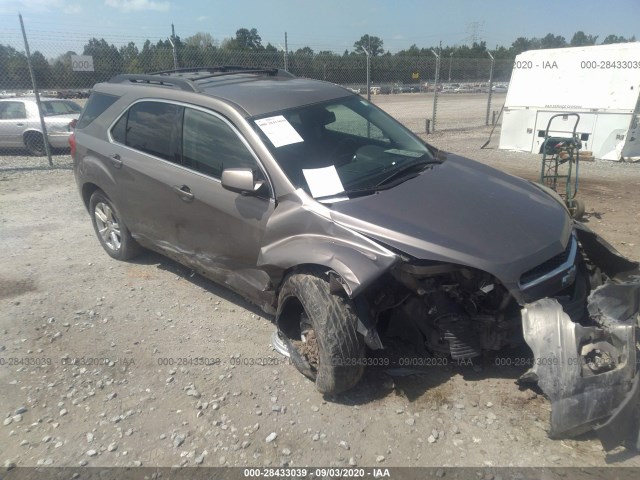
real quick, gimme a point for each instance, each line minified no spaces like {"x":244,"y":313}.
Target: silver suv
{"x":326,"y":212}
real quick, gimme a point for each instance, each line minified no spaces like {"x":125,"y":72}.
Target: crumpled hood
{"x":467,"y":213}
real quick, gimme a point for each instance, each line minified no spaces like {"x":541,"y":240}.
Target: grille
{"x":549,"y":266}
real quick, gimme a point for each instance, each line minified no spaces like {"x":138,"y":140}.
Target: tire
{"x":331,"y":319}
{"x":113,"y":234}
{"x":34,"y":143}
{"x":577,"y":208}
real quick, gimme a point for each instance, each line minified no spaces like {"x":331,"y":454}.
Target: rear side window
{"x":12,"y":111}
{"x":151,"y":127}
{"x":97,"y":103}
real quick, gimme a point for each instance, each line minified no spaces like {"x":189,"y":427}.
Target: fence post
{"x":486,"y":122}
{"x":45,"y":135}
{"x":368,"y":74}
{"x":175,"y":56}
{"x":435,"y":91}
{"x":286,"y":52}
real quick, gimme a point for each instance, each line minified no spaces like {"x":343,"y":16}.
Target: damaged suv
{"x":323,"y":210}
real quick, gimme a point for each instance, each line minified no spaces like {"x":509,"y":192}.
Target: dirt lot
{"x":141,"y":397}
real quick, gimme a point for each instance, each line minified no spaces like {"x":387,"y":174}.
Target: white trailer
{"x":600,"y":83}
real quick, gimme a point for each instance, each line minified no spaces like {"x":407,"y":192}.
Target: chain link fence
{"x":426,"y":93}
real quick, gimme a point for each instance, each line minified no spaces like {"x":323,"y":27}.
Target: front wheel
{"x":113,"y":234}
{"x":320,"y":330}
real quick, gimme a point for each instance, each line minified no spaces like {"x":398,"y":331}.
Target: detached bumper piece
{"x":590,"y":373}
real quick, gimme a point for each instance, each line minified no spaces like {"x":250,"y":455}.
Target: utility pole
{"x":450,"y":61}
{"x":45,"y":136}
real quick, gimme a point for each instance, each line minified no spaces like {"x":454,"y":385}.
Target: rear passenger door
{"x":144,"y":162}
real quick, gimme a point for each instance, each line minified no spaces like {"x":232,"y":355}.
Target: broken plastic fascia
{"x":581,"y":396}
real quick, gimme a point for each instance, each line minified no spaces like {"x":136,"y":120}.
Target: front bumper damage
{"x":590,"y":373}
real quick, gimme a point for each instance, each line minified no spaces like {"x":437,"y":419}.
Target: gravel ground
{"x":176,"y":370}
{"x":454,"y":110}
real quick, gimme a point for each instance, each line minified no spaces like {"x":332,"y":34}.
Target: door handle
{"x":20,"y":124}
{"x":184,"y":192}
{"x":115,"y":160}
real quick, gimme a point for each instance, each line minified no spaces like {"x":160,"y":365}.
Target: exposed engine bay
{"x":583,"y":337}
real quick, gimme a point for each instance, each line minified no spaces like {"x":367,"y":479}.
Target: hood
{"x":464,"y":212}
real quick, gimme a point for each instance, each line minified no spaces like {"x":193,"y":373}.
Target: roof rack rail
{"x":218,"y":68}
{"x":181,"y":83}
{"x":173,"y":78}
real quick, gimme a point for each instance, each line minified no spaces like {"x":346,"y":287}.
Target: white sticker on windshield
{"x":404,"y":153}
{"x":279,"y":131}
{"x":323,"y":182}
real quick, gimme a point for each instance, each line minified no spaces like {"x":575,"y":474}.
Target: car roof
{"x":256,"y":91}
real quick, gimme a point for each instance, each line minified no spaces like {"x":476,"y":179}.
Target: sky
{"x":55,"y":26}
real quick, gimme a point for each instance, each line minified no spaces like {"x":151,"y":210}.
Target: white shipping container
{"x":600,"y":83}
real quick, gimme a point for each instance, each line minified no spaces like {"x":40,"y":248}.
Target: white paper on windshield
{"x":323,"y":182}
{"x":279,"y":131}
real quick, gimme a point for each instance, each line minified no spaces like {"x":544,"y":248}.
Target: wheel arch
{"x":354,"y":267}
{"x":31,"y":131}
{"x":89,"y":189}
{"x":288,"y":312}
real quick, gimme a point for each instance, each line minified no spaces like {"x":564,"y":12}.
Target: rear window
{"x":64,"y":107}
{"x":96,"y":105}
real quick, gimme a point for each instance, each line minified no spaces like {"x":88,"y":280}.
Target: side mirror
{"x":240,"y":180}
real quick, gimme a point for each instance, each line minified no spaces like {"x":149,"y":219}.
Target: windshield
{"x":344,"y":145}
{"x":59,"y":107}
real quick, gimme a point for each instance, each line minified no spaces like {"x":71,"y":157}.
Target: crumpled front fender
{"x":302,"y":231}
{"x":590,"y":373}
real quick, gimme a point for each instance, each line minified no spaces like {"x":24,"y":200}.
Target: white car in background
{"x":20,"y":123}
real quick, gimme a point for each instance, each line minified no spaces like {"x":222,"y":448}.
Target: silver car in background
{"x":20,"y":123}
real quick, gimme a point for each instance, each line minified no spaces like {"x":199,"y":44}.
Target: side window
{"x":209,"y":145}
{"x":151,"y":127}
{"x":12,"y":111}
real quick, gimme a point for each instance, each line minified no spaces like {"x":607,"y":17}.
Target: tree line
{"x":411,"y":65}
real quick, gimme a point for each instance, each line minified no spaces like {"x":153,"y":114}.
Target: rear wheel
{"x":113,"y":234}
{"x":34,"y":143}
{"x":320,"y":331}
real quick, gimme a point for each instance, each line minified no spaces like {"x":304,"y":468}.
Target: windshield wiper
{"x":407,"y":171}
{"x":410,"y":169}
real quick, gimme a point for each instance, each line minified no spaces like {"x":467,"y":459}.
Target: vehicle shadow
{"x":150,"y":257}
{"x":429,"y":385}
